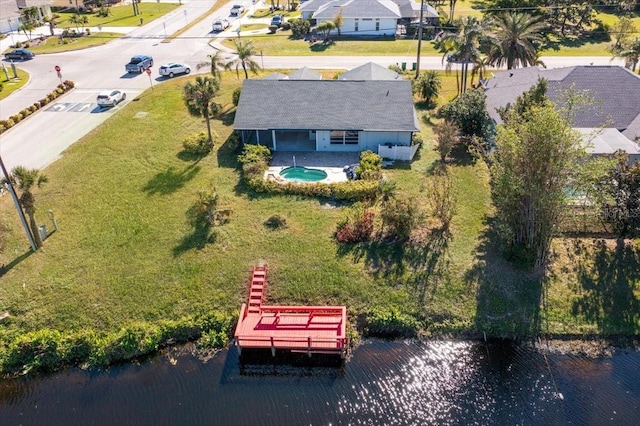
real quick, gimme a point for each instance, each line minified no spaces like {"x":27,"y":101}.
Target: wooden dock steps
{"x":256,"y":289}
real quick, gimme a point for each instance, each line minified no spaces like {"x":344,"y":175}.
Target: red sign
{"x":57,"y":68}
{"x":148,"y":71}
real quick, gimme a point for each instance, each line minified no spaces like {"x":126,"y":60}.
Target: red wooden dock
{"x":309,"y":329}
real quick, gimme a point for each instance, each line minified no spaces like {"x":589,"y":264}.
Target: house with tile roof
{"x":611,"y":122}
{"x":327,"y":115}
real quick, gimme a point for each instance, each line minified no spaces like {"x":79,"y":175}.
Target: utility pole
{"x":419,"y":39}
{"x":18,"y":206}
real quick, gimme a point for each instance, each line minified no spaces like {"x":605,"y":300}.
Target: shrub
{"x":235,"y":96}
{"x":69,"y":84}
{"x":36,"y":105}
{"x":43,"y":102}
{"x":273,"y":29}
{"x":16,"y":118}
{"x":400,"y":216}
{"x":390,"y":323}
{"x":7,"y":124}
{"x":299,"y":27}
{"x":59,"y":91}
{"x":254,"y":154}
{"x":469,"y":113}
{"x":356,"y":227}
{"x":197,"y":144}
{"x":276,"y":222}
{"x":370,"y":167}
{"x":254,"y":170}
{"x":286,"y":26}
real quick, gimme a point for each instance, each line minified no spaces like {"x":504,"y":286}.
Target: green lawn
{"x":126,"y":252}
{"x":57,"y":44}
{"x":12,"y":84}
{"x":121,"y":15}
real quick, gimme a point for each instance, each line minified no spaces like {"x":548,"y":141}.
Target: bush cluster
{"x":198,"y":144}
{"x":299,"y":27}
{"x":370,"y":167}
{"x":16,"y":118}
{"x":48,"y":350}
{"x":357,"y":226}
{"x":390,"y":323}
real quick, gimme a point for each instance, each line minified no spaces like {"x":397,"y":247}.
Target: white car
{"x":111,"y":98}
{"x":237,"y":10}
{"x":220,"y":24}
{"x":173,"y":68}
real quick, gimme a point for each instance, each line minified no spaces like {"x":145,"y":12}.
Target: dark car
{"x":277,"y":20}
{"x":21,"y":54}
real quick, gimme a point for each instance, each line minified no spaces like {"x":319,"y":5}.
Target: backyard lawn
{"x":126,"y":250}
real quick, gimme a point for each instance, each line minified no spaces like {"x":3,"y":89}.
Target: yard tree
{"x":479,"y":68}
{"x":514,"y":40}
{"x":536,"y":154}
{"x":245,"y":53}
{"x":216,"y":64}
{"x":428,"y":85}
{"x":325,"y":28}
{"x":631,"y":53}
{"x":446,"y":134}
{"x":621,"y":31}
{"x":469,"y":112}
{"x":25,"y":180}
{"x":199,"y":98}
{"x":338,"y":21}
{"x":622,"y":191}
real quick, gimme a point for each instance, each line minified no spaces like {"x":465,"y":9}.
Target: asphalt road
{"x":41,"y":138}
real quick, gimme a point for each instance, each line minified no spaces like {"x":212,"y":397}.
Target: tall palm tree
{"x":428,"y":85}
{"x":25,"y":180}
{"x":244,"y":52}
{"x":199,"y":98}
{"x":631,"y":53}
{"x":216,"y":63}
{"x":514,"y":38}
{"x":462,"y":47}
{"x":480,"y":66}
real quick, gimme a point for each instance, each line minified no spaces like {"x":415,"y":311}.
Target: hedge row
{"x":48,"y":350}
{"x":61,"y":89}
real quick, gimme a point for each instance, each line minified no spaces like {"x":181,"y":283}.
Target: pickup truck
{"x":139,"y":63}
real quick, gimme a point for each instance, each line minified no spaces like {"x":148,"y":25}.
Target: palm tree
{"x":462,"y":46}
{"x":217,"y":64}
{"x":514,"y":39}
{"x":631,"y":53}
{"x":24,"y":180}
{"x":199,"y":97}
{"x":52,"y":21}
{"x":479,"y":68}
{"x":452,"y":9}
{"x":245,"y":51}
{"x":428,"y":85}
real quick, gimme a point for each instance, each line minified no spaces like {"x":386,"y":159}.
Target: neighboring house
{"x":305,"y":73}
{"x":615,"y":90}
{"x":10,"y":13}
{"x":370,"y":71}
{"x":360,"y":17}
{"x":409,"y":10}
{"x":329,"y":115}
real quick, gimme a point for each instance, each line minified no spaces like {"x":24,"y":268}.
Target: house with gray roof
{"x":328,"y":115}
{"x":360,"y":17}
{"x":615,"y":91}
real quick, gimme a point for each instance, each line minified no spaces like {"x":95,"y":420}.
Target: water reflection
{"x":385,"y":383}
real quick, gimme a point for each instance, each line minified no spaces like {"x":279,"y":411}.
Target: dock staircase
{"x":256,"y":289}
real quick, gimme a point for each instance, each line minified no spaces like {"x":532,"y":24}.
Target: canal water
{"x":384,"y":383}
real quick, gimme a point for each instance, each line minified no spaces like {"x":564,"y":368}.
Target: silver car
{"x":173,"y":68}
{"x":111,"y":98}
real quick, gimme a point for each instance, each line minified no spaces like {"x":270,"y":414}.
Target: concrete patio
{"x":332,"y":163}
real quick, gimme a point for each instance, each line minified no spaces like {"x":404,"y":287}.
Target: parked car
{"x":139,"y":63}
{"x":21,"y":54}
{"x":111,"y":98}
{"x":236,"y":10}
{"x":173,"y":68}
{"x":277,"y":20}
{"x":220,"y":24}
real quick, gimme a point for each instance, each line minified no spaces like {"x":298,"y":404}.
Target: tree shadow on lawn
{"x":420,"y":265}
{"x":170,"y":180}
{"x":607,"y":281}
{"x":508,"y":300}
{"x":203,"y":234}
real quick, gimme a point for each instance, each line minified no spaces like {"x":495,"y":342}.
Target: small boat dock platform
{"x":306,"y":329}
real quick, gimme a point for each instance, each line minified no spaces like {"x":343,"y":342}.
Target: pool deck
{"x":332,"y":163}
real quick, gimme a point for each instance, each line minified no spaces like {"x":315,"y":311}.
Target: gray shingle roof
{"x":607,"y":141}
{"x":374,"y":105}
{"x":358,"y":9}
{"x":615,"y":89}
{"x":305,"y":73}
{"x":370,"y":71}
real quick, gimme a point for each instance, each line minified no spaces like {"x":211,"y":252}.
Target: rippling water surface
{"x":384,"y":383}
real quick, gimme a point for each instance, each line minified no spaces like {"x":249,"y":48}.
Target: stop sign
{"x":148,"y":71}
{"x":57,"y":68}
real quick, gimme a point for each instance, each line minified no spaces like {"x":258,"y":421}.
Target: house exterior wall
{"x":367,"y":26}
{"x":366,"y":141}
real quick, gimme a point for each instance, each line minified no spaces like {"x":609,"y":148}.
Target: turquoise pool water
{"x":302,"y":174}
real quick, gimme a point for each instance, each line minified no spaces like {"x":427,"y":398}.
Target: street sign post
{"x":149,"y":74}
{"x":57,"y":68}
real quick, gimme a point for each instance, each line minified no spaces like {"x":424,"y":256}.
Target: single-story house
{"x":362,"y":17}
{"x":370,"y":71}
{"x":409,"y":10}
{"x":329,"y":115}
{"x":615,"y":91}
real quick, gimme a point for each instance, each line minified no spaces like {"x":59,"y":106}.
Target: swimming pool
{"x":303,"y":174}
